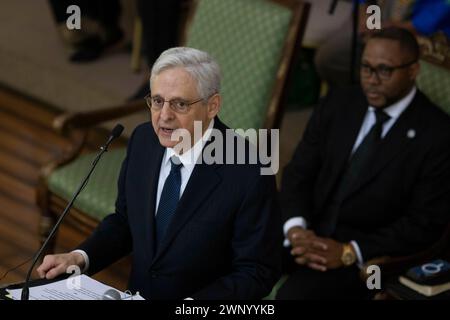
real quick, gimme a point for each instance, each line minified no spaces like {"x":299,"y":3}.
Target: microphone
{"x":111,"y":294}
{"x":115,"y":133}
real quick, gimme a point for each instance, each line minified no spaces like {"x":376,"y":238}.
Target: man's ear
{"x":414,"y":71}
{"x":214,"y":104}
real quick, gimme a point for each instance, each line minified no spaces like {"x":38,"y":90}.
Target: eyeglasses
{"x":383,"y":72}
{"x":177,"y":105}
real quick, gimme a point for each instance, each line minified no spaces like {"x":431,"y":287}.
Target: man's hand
{"x":299,"y":236}
{"x":330,"y":250}
{"x":56,"y":264}
{"x":304,"y":245}
{"x":315,"y":252}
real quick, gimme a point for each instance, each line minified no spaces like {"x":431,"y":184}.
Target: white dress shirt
{"x":394,"y":111}
{"x":188,"y":159}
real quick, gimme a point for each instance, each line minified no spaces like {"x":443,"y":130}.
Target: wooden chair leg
{"x":137,"y":45}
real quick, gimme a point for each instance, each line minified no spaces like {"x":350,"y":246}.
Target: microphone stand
{"x":355,"y":16}
{"x":26,"y":286}
{"x":355,"y":19}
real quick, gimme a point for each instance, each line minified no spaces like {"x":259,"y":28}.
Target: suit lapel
{"x":201,"y":184}
{"x":343,"y":138}
{"x":399,"y":137}
{"x":150,"y":180}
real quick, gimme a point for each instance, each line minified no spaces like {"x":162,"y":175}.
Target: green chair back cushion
{"x":98,"y":197}
{"x":246,"y":37}
{"x":434,"y":81}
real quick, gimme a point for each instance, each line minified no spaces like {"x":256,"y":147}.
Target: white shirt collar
{"x":396,"y":109}
{"x":189,"y":158}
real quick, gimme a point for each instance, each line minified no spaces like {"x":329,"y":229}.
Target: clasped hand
{"x":313,"y":251}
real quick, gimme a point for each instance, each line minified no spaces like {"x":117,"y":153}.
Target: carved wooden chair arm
{"x":84,"y":120}
{"x":393,"y":266}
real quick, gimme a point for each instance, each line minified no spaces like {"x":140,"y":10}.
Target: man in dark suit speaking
{"x":371,"y":176}
{"x":195,"y":229}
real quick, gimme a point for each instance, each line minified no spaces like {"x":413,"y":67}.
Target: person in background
{"x":161,"y":30}
{"x":370,"y":178}
{"x":100,"y":27}
{"x":421,"y":17}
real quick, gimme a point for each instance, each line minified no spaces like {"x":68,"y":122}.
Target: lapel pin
{"x":411,"y":133}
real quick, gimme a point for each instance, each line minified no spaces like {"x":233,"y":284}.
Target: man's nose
{"x":167,"y":112}
{"x":373,"y":78}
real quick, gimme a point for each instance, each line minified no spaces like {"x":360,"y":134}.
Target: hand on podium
{"x":56,"y":264}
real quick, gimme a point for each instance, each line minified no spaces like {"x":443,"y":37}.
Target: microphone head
{"x":111,"y":294}
{"x":117,"y":131}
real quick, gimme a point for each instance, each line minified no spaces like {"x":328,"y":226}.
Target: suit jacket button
{"x":153,"y":274}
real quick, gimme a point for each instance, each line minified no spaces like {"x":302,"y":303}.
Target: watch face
{"x":347,"y":259}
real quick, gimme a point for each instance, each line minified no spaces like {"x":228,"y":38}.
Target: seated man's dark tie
{"x":360,"y":158}
{"x":169,"y":200}
{"x":359,"y":161}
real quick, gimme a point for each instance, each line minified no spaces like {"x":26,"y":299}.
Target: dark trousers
{"x":106,"y":12}
{"x":307,"y":284}
{"x":160,"y":26}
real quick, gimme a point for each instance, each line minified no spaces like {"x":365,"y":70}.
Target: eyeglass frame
{"x":171,"y":103}
{"x":375,"y":70}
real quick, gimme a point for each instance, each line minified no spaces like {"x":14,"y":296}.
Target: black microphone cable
{"x":14,"y":268}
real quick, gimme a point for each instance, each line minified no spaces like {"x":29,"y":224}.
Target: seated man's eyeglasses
{"x":383,"y":72}
{"x":177,"y":105}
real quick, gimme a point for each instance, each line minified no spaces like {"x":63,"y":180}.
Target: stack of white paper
{"x":79,"y":287}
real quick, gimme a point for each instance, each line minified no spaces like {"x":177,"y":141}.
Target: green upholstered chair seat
{"x":434,"y":81}
{"x":247,"y":39}
{"x":98,"y":198}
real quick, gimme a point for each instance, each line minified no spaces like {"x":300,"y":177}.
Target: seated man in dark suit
{"x":195,"y":229}
{"x":371,"y":176}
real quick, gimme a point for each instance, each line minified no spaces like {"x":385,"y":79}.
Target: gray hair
{"x":199,"y":64}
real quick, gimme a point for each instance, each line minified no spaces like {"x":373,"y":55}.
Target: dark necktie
{"x":356,"y":166}
{"x":360,"y":158}
{"x":169,"y":199}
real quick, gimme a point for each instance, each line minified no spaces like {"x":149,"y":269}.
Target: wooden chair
{"x":254,"y":41}
{"x":434,"y":81}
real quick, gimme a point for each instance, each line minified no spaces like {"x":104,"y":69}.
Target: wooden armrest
{"x":66,"y":122}
{"x":392,"y":266}
{"x":83,"y":120}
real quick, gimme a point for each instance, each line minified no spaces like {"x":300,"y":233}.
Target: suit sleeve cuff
{"x":292,"y":222}
{"x":85,"y":257}
{"x":358,"y":253}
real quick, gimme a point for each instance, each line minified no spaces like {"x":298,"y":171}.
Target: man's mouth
{"x":373,"y":94}
{"x":166,"y":130}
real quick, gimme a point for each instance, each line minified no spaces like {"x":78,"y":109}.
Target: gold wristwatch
{"x":348,"y":255}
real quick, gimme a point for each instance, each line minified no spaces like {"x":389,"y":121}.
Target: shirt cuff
{"x":358,"y":253}
{"x":292,"y":222}
{"x":85,"y":257}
